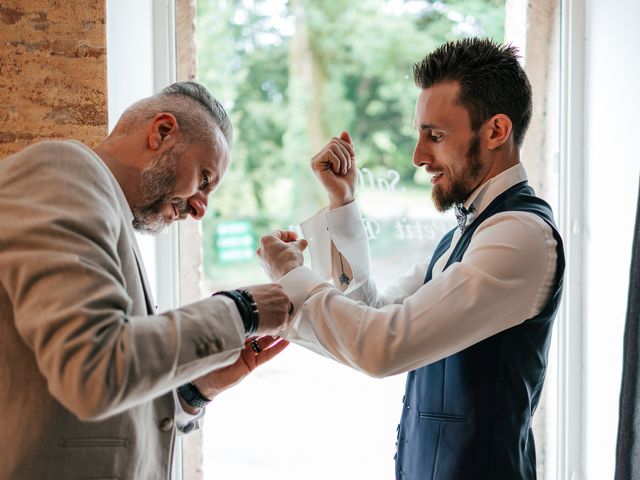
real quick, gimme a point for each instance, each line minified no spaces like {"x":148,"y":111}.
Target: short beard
{"x":461,"y":187}
{"x":157,"y":181}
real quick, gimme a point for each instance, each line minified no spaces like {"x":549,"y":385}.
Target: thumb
{"x":346,"y":137}
{"x":302,"y":244}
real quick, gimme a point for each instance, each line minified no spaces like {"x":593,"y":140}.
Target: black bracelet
{"x":253,"y":308}
{"x":190,"y":394}
{"x":246,"y":307}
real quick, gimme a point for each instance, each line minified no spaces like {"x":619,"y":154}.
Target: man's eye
{"x":435,"y":138}
{"x":205,"y":183}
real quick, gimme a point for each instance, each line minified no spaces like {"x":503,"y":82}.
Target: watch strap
{"x":190,"y":394}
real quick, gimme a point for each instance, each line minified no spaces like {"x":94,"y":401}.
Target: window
{"x":293,"y":74}
{"x":238,"y":425}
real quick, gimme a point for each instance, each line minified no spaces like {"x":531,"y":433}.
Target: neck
{"x":126,"y":173}
{"x":503,"y":159}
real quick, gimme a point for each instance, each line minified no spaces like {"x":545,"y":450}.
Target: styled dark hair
{"x":490,"y":76}
{"x":201,"y":95}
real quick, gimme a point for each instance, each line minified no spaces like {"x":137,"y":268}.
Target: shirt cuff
{"x":298,"y":285}
{"x":316,"y":233}
{"x":346,"y":230}
{"x":344,"y":227}
{"x":185,"y":421}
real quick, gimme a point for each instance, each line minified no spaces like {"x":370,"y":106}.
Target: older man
{"x":94,"y":383}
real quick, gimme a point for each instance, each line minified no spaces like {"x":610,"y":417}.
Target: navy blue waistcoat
{"x":468,"y":416}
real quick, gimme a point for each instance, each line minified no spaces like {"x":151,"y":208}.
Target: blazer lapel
{"x":151,"y":308}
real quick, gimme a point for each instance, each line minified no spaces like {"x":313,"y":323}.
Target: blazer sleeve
{"x":60,"y":231}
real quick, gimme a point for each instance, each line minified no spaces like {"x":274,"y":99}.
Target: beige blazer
{"x":86,"y":366}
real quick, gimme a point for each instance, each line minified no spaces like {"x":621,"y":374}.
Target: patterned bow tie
{"x":465,"y":217}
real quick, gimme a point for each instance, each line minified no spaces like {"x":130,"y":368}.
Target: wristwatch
{"x":192,"y":396}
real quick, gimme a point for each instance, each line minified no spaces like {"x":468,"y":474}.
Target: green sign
{"x":234,"y":241}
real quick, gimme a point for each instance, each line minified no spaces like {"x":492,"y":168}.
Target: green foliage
{"x":362,"y":53}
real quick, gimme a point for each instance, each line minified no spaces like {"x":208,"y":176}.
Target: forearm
{"x":468,"y":302}
{"x":137,"y":358}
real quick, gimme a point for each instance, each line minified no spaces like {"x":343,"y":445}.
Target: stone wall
{"x":52,"y":72}
{"x":534,"y":27}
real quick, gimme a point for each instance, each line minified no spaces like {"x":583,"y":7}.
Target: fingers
{"x":335,"y":159}
{"x":280,"y":252}
{"x":337,"y":156}
{"x":262,"y":343}
{"x":287,"y":236}
{"x":281,"y":235}
{"x":268,"y":353}
{"x":343,"y":143}
{"x":266,"y":347}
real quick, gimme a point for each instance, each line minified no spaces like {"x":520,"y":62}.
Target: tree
{"x":294,"y":73}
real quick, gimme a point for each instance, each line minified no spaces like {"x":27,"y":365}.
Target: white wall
{"x":612,"y":161}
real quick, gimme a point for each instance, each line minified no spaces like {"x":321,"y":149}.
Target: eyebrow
{"x":430,"y":126}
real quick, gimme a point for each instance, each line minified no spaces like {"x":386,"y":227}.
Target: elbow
{"x":85,"y":407}
{"x":86,"y":400}
{"x":375,"y":367}
{"x":378,"y":373}
{"x":88,"y":414}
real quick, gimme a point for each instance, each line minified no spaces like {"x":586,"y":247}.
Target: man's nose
{"x":198,"y":206}
{"x":421,"y":155}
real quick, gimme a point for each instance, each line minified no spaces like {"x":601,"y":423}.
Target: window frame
{"x":571,"y":348}
{"x":570,"y":338}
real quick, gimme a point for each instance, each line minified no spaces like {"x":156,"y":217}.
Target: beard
{"x":461,"y":184}
{"x":157,"y":181}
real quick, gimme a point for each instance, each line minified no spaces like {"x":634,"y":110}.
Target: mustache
{"x":182,"y":206}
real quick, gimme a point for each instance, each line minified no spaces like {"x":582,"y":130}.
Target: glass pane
{"x":293,"y":74}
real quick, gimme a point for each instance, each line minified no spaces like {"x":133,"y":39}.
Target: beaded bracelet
{"x":246,"y":307}
{"x":253,"y":308}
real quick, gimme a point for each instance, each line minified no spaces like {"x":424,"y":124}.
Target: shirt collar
{"x":482,"y":196}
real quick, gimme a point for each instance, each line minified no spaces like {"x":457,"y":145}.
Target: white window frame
{"x":167,"y":246}
{"x":571,"y":375}
{"x":156,"y":17}
{"x":162,"y":252}
{"x":141,"y":60}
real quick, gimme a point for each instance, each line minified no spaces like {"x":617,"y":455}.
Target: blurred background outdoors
{"x":292,"y":74}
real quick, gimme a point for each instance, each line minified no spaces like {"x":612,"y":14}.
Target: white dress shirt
{"x":505,"y":277}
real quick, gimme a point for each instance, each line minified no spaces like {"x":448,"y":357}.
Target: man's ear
{"x":498,"y":130}
{"x":162,"y":131}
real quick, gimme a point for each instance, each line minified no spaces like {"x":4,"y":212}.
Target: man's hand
{"x":273,"y":308}
{"x":280,"y":252}
{"x":214,"y":383}
{"x":335,"y":167}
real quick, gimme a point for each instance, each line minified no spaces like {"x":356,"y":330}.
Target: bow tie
{"x":465,"y":217}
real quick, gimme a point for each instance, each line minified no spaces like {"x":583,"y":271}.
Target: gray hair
{"x":188,"y":102}
{"x":201,"y":95}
